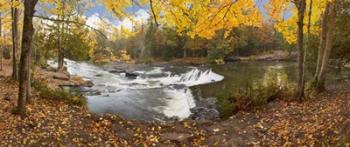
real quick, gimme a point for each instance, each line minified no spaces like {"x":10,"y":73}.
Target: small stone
{"x":88,"y":84}
{"x":8,"y":98}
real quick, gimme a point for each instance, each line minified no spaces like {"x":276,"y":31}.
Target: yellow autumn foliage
{"x":284,"y":14}
{"x":195,"y":18}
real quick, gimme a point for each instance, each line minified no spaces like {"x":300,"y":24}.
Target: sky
{"x":98,"y":12}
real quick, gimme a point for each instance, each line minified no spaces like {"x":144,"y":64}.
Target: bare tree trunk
{"x":320,"y":85}
{"x":14,"y":14}
{"x":1,"y":47}
{"x":29,"y":88}
{"x":324,"y":31}
{"x":301,"y":4}
{"x":308,"y":35}
{"x":27,"y":36}
{"x":60,"y":66}
{"x":309,"y":20}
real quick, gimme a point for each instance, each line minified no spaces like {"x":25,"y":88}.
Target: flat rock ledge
{"x":57,"y":80}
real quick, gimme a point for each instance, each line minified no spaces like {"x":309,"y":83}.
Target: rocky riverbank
{"x":57,"y":80}
{"x":278,"y":55}
{"x":318,"y":121}
{"x":322,"y":120}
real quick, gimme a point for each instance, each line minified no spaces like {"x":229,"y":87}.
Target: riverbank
{"x":323,"y":119}
{"x":278,"y":55}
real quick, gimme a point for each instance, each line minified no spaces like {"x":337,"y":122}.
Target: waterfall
{"x":152,"y":92}
{"x":199,"y":77}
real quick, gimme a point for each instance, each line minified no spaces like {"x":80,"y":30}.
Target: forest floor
{"x":322,"y":120}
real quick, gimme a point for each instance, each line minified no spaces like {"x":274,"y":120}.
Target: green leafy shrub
{"x":216,"y":56}
{"x":147,"y":60}
{"x":61,"y":94}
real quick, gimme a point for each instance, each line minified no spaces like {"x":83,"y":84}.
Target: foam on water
{"x":178,"y":104}
{"x":154,"y":94}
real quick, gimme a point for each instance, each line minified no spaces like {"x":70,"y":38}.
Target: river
{"x":163,"y":92}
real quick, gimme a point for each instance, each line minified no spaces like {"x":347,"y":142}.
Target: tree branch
{"x":70,"y":21}
{"x":154,"y":14}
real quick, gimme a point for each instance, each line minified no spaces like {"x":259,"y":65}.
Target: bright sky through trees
{"x":98,"y":11}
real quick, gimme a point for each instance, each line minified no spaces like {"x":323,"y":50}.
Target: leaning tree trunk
{"x":14,"y":14}
{"x":27,"y":36}
{"x":331,"y":16}
{"x":323,"y":36}
{"x":301,"y":4}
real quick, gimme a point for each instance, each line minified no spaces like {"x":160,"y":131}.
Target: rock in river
{"x":117,"y":71}
{"x":202,"y":113}
{"x":89,"y":91}
{"x":131,"y":75}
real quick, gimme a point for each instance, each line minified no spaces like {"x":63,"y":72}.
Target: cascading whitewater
{"x":146,"y":96}
{"x":199,"y":77}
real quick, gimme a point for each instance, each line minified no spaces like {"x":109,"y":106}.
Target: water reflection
{"x":245,"y":74}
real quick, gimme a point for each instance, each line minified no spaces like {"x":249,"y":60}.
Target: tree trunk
{"x":1,"y":47}
{"x":308,"y":35}
{"x":60,"y":66}
{"x":321,"y":77}
{"x":27,"y":36}
{"x":309,"y":21}
{"x":153,"y":12}
{"x":14,"y":14}
{"x":324,"y":31}
{"x":29,"y":88}
{"x":301,"y":4}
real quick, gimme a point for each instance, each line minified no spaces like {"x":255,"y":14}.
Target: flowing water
{"x":243,"y":74}
{"x":156,"y":94}
{"x":163,"y":92}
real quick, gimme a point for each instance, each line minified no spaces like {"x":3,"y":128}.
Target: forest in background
{"x":147,"y":41}
{"x":314,"y":30}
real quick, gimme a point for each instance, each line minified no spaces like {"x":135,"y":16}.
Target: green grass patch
{"x":61,"y":94}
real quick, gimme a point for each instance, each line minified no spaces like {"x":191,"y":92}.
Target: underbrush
{"x":275,"y":85}
{"x":60,"y":94}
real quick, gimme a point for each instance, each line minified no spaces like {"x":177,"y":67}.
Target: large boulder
{"x":77,"y":82}
{"x":202,"y":113}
